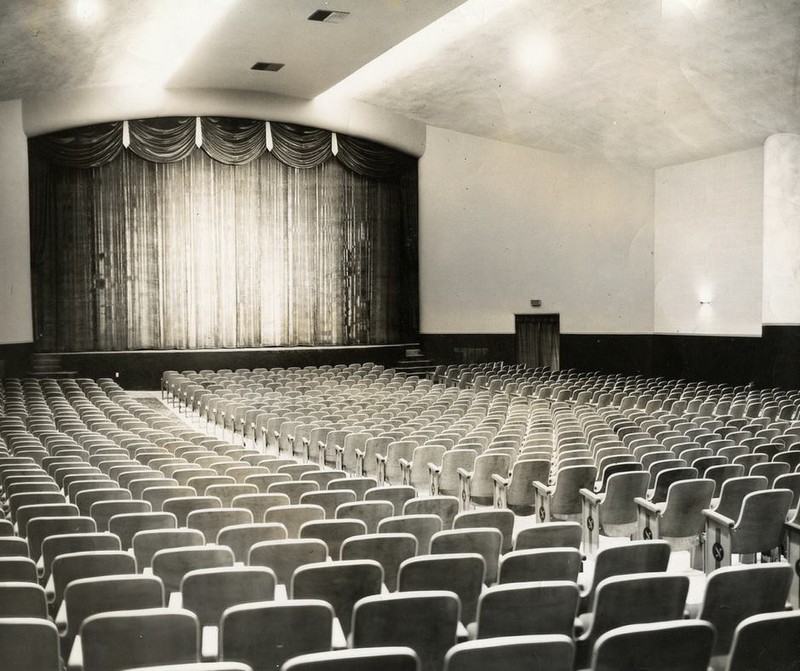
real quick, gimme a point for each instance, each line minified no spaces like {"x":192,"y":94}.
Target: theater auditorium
{"x":400,"y":335}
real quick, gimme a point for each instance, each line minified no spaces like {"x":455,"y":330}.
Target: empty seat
{"x":766,"y":641}
{"x":87,"y":596}
{"x":264,"y":635}
{"x":333,"y":532}
{"x":30,"y":644}
{"x":663,"y":646}
{"x":562,"y":500}
{"x":294,"y":516}
{"x":512,"y":653}
{"x":172,"y":564}
{"x":734,"y":593}
{"x":284,"y":557}
{"x":126,"y":525}
{"x":135,"y":638}
{"x":446,"y":507}
{"x":462,"y":573}
{"x":149,"y":541}
{"x":679,"y":520}
{"x":341,"y":584}
{"x":389,"y":550}
{"x":634,"y":557}
{"x":387,"y":658}
{"x":22,"y":599}
{"x":549,"y":535}
{"x":506,"y":610}
{"x":422,"y":527}
{"x":241,"y":537}
{"x":758,"y":529}
{"x":631,"y":599}
{"x":210,"y":521}
{"x":424,"y":621}
{"x":540,"y":564}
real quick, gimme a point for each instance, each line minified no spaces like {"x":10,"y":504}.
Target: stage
{"x":141,"y":369}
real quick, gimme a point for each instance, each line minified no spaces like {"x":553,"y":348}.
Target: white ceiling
{"x":647,"y":82}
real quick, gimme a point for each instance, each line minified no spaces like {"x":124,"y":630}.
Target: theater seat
{"x":30,"y":644}
{"x":389,"y":658}
{"x":512,"y":653}
{"x":681,"y":645}
{"x":135,"y":638}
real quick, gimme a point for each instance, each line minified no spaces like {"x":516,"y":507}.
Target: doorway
{"x":537,"y":339}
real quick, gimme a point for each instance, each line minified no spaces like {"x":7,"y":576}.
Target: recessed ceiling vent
{"x":267,"y":67}
{"x":328,"y":16}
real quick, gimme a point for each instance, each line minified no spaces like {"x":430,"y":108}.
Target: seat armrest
{"x":464,"y":474}
{"x":381,"y":458}
{"x":404,"y":463}
{"x":500,"y":480}
{"x":720,"y":520}
{"x":591,"y":496}
{"x":542,"y":488}
{"x":433,"y":468}
{"x":651,"y":507}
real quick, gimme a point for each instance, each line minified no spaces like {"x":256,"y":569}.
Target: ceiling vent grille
{"x":267,"y":67}
{"x":328,"y":16}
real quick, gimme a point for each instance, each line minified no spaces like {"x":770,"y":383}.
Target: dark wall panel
{"x":628,"y":354}
{"x":15,"y":359}
{"x":780,"y":357}
{"x":735,"y":360}
{"x":142,"y":369}
{"x":457,"y":348}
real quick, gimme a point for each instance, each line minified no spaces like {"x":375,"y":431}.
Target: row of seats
{"x":542,"y":526}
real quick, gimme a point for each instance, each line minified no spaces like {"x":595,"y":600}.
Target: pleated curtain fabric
{"x":166,"y":245}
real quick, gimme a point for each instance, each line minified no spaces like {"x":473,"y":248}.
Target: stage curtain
{"x":371,"y":159}
{"x":300,"y":146}
{"x":86,"y":147}
{"x":163,"y":140}
{"x":234,"y":141}
{"x":207,"y":253}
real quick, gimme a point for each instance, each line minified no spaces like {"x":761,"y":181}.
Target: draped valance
{"x":232,"y":141}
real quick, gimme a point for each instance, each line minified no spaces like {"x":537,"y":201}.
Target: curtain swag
{"x":231,"y":141}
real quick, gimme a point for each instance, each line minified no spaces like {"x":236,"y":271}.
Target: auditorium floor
{"x":679,"y":561}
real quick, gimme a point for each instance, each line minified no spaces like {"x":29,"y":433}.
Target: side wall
{"x":502,"y":224}
{"x":709,"y":233}
{"x":16,"y":326}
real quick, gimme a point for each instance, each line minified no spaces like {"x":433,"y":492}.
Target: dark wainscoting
{"x":627,"y":354}
{"x":456,"y":348}
{"x":15,"y":359}
{"x":780,"y":357}
{"x":770,"y":361}
{"x":142,"y":369}
{"x":730,"y":359}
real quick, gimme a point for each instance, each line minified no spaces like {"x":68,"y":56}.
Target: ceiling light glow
{"x":420,"y":48}
{"x":537,"y":54}
{"x":88,"y":11}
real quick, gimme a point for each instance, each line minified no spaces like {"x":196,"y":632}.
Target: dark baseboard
{"x":780,"y":357}
{"x":456,"y":348}
{"x":772,"y":360}
{"x":728,"y":359}
{"x":142,"y":369}
{"x":629,"y":354}
{"x":15,"y":359}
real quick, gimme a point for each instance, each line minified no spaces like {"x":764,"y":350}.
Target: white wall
{"x":781,"y":291}
{"x":501,"y":224}
{"x":708,"y":245}
{"x":15,"y":278}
